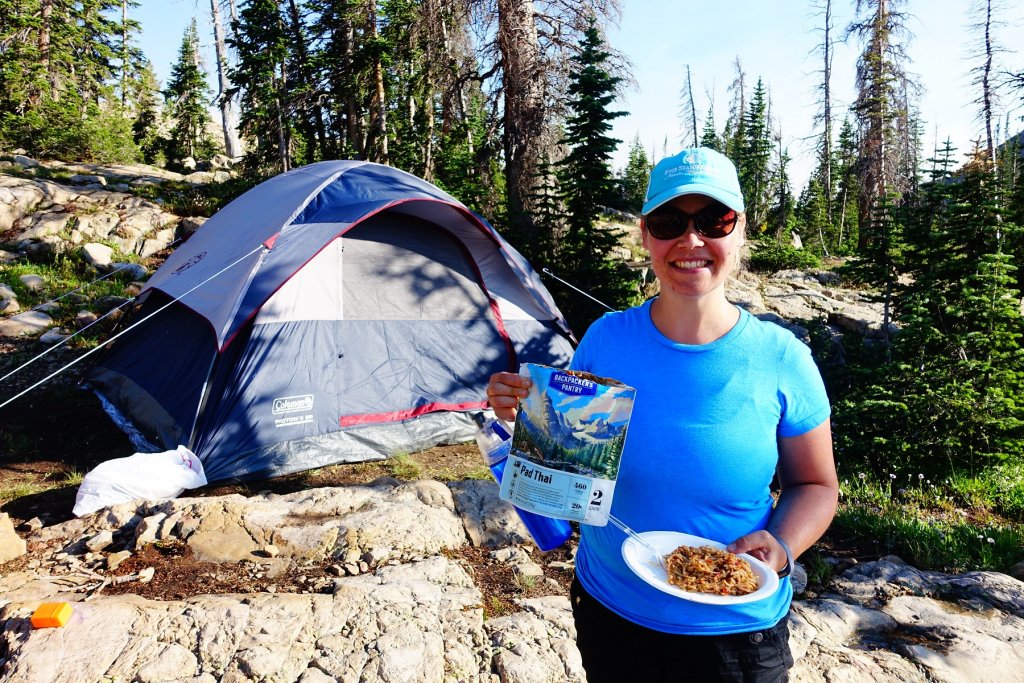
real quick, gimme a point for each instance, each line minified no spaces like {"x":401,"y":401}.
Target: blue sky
{"x":773,"y":40}
{"x":778,"y":41}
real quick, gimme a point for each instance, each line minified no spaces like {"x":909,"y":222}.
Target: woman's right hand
{"x":504,"y":391}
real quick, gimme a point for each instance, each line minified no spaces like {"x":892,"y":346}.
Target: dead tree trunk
{"x":228,"y":116}
{"x":523,"y":81}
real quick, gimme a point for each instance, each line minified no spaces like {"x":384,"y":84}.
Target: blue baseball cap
{"x":694,"y":171}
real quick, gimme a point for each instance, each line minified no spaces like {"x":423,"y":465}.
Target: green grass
{"x":21,"y":490}
{"x":482,"y":472}
{"x":960,"y":524}
{"x":72,"y":477}
{"x":64,"y":275}
{"x":494,"y":608}
{"x":403,"y":466}
{"x":1001,"y":489}
{"x":525,"y":581}
{"x":54,"y":480}
{"x":70,"y":284}
{"x":818,"y":570}
{"x":187,"y":199}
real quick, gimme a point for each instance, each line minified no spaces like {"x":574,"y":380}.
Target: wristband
{"x":788,"y":569}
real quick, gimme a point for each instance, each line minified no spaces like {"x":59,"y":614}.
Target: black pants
{"x":615,"y":650}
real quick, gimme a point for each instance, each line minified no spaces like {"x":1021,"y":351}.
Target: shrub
{"x":770,"y":257}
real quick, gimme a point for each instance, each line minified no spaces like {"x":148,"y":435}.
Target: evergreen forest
{"x":508,"y":106}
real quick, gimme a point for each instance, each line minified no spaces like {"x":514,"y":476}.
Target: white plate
{"x":646,"y":566}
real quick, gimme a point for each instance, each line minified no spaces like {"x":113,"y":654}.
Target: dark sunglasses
{"x":715,"y":221}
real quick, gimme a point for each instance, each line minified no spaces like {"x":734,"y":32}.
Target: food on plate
{"x":709,"y":570}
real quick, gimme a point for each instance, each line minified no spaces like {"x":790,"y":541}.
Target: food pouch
{"x":567,"y":444}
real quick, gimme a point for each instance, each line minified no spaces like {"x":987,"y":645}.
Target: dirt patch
{"x":177,"y":575}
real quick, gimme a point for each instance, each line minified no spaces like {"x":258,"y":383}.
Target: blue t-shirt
{"x":699,"y":456}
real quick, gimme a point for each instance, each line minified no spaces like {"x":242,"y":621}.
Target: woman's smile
{"x":691,"y":264}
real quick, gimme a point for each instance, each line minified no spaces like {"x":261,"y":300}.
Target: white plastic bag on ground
{"x":143,"y":476}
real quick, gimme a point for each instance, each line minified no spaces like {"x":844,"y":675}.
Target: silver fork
{"x":636,"y":537}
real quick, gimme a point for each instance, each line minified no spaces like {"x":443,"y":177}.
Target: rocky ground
{"x":418,"y":580}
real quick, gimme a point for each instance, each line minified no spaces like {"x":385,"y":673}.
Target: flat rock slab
{"x":417,"y":622}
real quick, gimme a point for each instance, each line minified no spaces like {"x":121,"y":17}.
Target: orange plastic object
{"x":51,"y":615}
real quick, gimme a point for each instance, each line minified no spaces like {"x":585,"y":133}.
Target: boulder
{"x":157,"y":242}
{"x":189,"y":224}
{"x":18,"y":197}
{"x":42,"y":224}
{"x":25,"y":162}
{"x":53,"y":336}
{"x":25,"y":324}
{"x":97,"y":225}
{"x":84,"y":319}
{"x":200,"y":177}
{"x":98,"y":255}
{"x":108,"y":303}
{"x":45,"y":248}
{"x":11,"y":544}
{"x":134,"y":271}
{"x":220,"y":161}
{"x":84,"y":179}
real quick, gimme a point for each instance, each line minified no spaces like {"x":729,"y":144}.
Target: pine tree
{"x":781,"y":214}
{"x":846,"y":201}
{"x":22,"y":73}
{"x":335,"y":24}
{"x":688,"y":113}
{"x":187,"y":97}
{"x":733,"y":134}
{"x":585,"y":173}
{"x":925,"y":232}
{"x":409,"y":79}
{"x":825,"y":118}
{"x":226,"y":103}
{"x":708,"y":137}
{"x":585,"y":252}
{"x":145,"y":93}
{"x":304,"y":102}
{"x":466,"y":164}
{"x":883,"y":94}
{"x":880,"y":261}
{"x":263,"y":47}
{"x":812,"y":214}
{"x":635,"y":177}
{"x":753,"y":161}
{"x":549,"y":215}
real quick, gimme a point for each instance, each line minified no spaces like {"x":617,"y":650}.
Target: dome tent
{"x":343,"y":311}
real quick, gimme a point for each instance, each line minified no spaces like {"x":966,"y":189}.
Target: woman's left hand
{"x":763,"y":546}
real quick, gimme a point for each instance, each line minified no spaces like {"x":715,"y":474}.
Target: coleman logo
{"x":293,"y":404}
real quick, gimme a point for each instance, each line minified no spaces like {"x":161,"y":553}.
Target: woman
{"x":723,"y":402}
